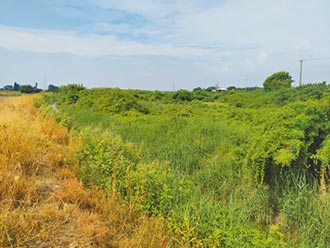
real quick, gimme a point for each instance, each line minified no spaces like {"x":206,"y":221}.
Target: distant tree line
{"x":28,"y":89}
{"x":277,"y":81}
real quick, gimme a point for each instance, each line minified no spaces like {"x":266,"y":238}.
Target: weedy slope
{"x":43,"y":203}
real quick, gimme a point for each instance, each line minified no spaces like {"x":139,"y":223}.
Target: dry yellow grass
{"x":43,"y":204}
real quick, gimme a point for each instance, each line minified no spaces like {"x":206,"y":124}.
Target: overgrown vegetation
{"x":167,"y":169}
{"x":224,"y":169}
{"x":44,"y":204}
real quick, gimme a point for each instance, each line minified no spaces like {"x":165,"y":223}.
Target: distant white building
{"x":217,"y":89}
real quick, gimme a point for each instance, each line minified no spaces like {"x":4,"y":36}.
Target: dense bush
{"x":183,"y":95}
{"x":26,"y":88}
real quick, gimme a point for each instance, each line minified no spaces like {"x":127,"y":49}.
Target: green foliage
{"x":231,"y":88}
{"x":70,"y":93}
{"x":324,"y":152}
{"x":53,"y":88}
{"x":277,"y":81}
{"x":106,"y":160}
{"x":209,"y":89}
{"x":157,"y":95}
{"x":203,"y":95}
{"x":289,"y":137}
{"x":230,"y":169}
{"x":183,"y":95}
{"x":116,"y":166}
{"x":26,"y":88}
{"x":113,"y":101}
{"x":72,"y":88}
{"x":38,"y":102}
{"x":8,"y":87}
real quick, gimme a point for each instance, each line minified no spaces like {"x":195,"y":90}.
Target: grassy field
{"x":128,"y":168}
{"x":4,"y":93}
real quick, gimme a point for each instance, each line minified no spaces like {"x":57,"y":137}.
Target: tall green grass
{"x":241,"y":171}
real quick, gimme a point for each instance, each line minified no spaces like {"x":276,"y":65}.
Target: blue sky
{"x":149,"y":44}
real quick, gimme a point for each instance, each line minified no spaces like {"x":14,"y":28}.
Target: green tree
{"x":26,"y":88}
{"x":183,"y":95}
{"x":157,"y":95}
{"x":209,"y":89}
{"x":231,"y":88}
{"x":277,"y":81}
{"x":8,"y":87}
{"x":72,"y":88}
{"x":53,"y":88}
{"x":202,"y":95}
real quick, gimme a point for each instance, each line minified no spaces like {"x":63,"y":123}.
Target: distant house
{"x":219,"y":89}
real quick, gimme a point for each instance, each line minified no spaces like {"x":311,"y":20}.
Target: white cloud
{"x":189,"y":28}
{"x":277,"y":26}
{"x":123,"y":28}
{"x":156,"y":11}
{"x":89,"y":44}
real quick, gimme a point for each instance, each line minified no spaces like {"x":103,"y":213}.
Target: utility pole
{"x":301,"y":67}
